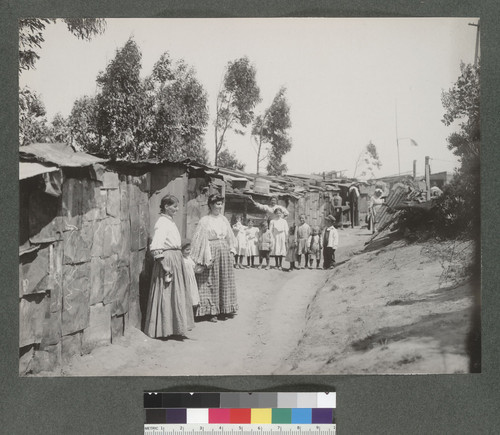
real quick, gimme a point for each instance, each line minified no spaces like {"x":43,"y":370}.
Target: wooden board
{"x":98,"y":333}
{"x":32,"y":312}
{"x":76,"y":297}
{"x":71,"y":205}
{"x":46,"y":359}
{"x":137,"y":268}
{"x":117,"y":327}
{"x":112,"y":235}
{"x":113,"y":203}
{"x":124,"y":246}
{"x":57,"y":272}
{"x":78,"y":244}
{"x":34,"y":272}
{"x":71,"y":345}
{"x":124,"y":198}
{"x":110,"y":180}
{"x":121,"y":292}
{"x":97,"y":265}
{"x":91,"y":200}
{"x":26,"y":355}
{"x":51,"y":329}
{"x":110,"y":278}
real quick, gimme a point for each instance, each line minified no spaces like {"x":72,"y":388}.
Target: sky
{"x":349,"y":81}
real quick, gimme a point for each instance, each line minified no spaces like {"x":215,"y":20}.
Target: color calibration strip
{"x":240,"y":408}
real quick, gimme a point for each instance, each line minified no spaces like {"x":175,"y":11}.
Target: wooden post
{"x":414,"y":169}
{"x":428,"y":178}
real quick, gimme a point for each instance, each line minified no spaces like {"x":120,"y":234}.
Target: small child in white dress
{"x":190,"y":273}
{"x":252,"y":235}
{"x":241,"y":242}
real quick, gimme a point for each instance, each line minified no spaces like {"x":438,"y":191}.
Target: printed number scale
{"x":233,"y":429}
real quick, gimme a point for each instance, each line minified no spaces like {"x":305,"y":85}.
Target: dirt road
{"x":403,"y":308}
{"x":267,"y":328}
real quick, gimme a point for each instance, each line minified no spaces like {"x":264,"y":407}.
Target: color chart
{"x":239,"y":413}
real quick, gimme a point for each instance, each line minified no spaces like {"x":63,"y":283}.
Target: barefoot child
{"x":241,"y":243}
{"x":252,"y":235}
{"x":190,"y":273}
{"x":315,"y":248}
{"x":265,"y":244}
{"x":291,"y":253}
{"x":303,"y":233}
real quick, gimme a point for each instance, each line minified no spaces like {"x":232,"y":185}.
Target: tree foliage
{"x":161,"y":117}
{"x":59,"y":129}
{"x":119,"y":103}
{"x":32,"y":121}
{"x":177,"y":111}
{"x":271,"y":129}
{"x":368,"y":161}
{"x":461,"y":103}
{"x":458,"y":208}
{"x":31,"y":35}
{"x":236,"y":101}
{"x":83,"y":123}
{"x":228,"y":160}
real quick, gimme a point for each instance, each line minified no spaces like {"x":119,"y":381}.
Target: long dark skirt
{"x":216,"y":284}
{"x":170,"y":309}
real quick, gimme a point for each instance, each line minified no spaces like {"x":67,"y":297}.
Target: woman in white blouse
{"x":213,"y":248}
{"x":170,"y":309}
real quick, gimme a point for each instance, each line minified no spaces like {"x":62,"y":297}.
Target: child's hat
{"x":331,"y":218}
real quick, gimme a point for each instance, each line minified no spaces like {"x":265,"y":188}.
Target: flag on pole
{"x":415,"y":144}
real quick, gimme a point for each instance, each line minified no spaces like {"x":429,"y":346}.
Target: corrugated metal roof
{"x":59,"y":154}
{"x":387,"y":214}
{"x":32,"y":169}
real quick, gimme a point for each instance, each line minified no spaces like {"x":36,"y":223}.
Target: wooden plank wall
{"x":80,"y":286}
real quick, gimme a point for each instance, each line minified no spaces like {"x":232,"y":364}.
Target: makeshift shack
{"x":85,"y":226}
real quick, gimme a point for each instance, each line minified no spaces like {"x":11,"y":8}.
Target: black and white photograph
{"x":249,"y":196}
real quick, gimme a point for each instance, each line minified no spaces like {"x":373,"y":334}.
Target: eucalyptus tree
{"x":236,"y":100}
{"x":270,"y":134}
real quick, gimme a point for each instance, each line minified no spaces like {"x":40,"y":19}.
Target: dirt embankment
{"x":401,"y":309}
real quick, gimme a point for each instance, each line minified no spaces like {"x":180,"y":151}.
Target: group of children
{"x":276,"y":239}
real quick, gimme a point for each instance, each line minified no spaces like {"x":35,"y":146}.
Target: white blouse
{"x":209,"y":228}
{"x":166,"y":235}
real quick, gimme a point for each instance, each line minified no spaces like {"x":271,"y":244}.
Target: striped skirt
{"x":216,"y":285}
{"x":170,"y":310}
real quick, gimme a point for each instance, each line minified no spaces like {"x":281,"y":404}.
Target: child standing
{"x":315,"y":248}
{"x":252,"y":235}
{"x":291,"y":253}
{"x":241,"y":243}
{"x":330,"y":242}
{"x":279,"y":230}
{"x":190,"y":274}
{"x":303,"y":233}
{"x":265,"y":244}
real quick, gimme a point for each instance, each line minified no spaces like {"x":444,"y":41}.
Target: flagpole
{"x":397,"y":139}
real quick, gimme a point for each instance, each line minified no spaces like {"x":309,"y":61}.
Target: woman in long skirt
{"x":213,"y":247}
{"x":169,"y":309}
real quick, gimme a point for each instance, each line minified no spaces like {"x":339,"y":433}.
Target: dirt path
{"x":403,"y":308}
{"x":272,"y":312}
{"x":270,"y":321}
